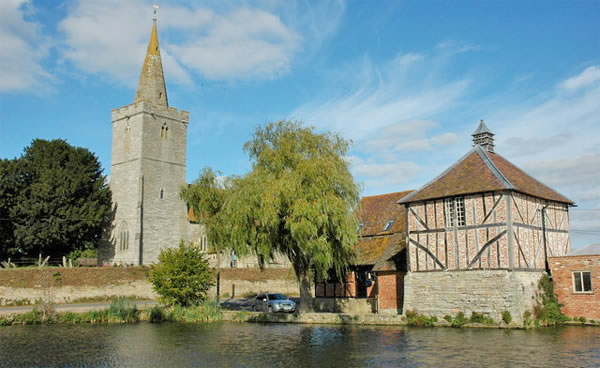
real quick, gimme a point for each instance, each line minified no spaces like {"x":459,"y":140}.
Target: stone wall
{"x":65,"y":285}
{"x":490,"y":292}
{"x":576,"y":304}
{"x":345,"y":305}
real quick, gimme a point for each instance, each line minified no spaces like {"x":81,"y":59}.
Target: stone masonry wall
{"x":490,"y":292}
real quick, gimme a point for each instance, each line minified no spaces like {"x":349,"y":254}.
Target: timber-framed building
{"x":480,"y":234}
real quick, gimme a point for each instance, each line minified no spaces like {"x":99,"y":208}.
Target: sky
{"x":406,"y":81}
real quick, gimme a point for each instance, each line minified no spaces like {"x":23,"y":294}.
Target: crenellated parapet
{"x":147,"y":107}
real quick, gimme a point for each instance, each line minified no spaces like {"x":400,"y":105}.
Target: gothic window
{"x":203,"y":243}
{"x":455,"y":211}
{"x":164,"y":131}
{"x":582,"y":282}
{"x":123,"y":236}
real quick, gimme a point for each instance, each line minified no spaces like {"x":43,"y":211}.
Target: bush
{"x":182,"y":276}
{"x":549,"y":311}
{"x":481,"y":318}
{"x":414,"y":318}
{"x":460,"y":320}
{"x":506,"y":317}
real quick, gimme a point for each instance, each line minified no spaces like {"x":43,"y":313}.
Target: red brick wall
{"x":391,"y":290}
{"x":576,"y":304}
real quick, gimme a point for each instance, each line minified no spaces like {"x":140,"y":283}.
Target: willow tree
{"x":298,"y":200}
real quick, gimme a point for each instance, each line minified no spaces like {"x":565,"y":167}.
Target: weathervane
{"x":155,"y":6}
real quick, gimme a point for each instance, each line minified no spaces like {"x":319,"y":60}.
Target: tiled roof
{"x":482,"y":171}
{"x":375,"y":212}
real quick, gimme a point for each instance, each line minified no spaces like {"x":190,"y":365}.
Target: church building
{"x":148,"y":170}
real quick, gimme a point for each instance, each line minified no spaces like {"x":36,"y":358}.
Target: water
{"x":286,"y":345}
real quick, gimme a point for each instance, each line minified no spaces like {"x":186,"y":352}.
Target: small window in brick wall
{"x":582,"y":282}
{"x":455,"y":211}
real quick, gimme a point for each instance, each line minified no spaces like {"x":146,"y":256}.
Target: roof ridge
{"x":387,"y":194}
{"x":490,"y":165}
{"x":414,"y":193}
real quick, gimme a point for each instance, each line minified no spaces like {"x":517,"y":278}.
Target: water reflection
{"x":280,"y":345}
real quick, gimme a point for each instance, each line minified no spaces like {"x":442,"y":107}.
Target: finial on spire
{"x":155,"y":6}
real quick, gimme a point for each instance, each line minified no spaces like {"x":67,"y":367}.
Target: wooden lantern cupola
{"x":483,"y":137}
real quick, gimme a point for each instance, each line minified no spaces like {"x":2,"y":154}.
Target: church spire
{"x":151,"y":86}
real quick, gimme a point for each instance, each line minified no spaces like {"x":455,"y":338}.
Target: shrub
{"x":448,"y":318}
{"x":506,"y":317}
{"x":549,"y":311}
{"x":156,"y":314}
{"x":481,"y":318}
{"x":182,"y":276}
{"x":460,"y":320}
{"x":414,"y":318}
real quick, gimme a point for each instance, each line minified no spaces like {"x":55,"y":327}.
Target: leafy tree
{"x":9,"y":190}
{"x":182,"y":275}
{"x":298,"y":200}
{"x":62,"y":201}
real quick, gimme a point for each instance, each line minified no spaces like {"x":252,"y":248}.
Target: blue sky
{"x":407,"y":81}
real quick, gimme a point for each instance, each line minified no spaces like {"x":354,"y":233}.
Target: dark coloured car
{"x":273,"y":303}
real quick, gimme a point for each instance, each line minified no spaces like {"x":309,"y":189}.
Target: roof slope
{"x":374,"y":213}
{"x":482,"y":171}
{"x":590,"y":250}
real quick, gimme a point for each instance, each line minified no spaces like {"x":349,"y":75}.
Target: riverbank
{"x":128,"y":311}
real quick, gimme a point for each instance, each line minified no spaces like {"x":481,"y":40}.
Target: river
{"x":292,"y":345}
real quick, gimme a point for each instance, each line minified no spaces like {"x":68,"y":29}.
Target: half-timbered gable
{"x":486,"y":216}
{"x":485,"y":213}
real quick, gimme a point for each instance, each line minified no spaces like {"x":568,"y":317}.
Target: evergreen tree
{"x":61,"y":201}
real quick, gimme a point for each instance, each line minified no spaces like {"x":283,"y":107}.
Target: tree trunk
{"x":306,"y":300}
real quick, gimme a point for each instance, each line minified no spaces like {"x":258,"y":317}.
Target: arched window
{"x":164,"y":130}
{"x":123,"y":236}
{"x":161,"y":195}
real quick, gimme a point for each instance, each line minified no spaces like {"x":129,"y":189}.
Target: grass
{"x":413,"y":318}
{"x":121,"y":310}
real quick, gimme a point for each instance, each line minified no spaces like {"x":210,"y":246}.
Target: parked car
{"x":273,"y":303}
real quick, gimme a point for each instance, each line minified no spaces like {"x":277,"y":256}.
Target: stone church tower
{"x":148,"y":169}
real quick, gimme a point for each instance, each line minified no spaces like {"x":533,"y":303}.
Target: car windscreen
{"x":277,"y":297}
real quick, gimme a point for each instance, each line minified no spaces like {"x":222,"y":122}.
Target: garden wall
{"x":64,"y":285}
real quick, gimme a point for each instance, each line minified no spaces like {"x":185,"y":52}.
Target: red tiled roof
{"x":374,"y":213}
{"x":481,"y":171}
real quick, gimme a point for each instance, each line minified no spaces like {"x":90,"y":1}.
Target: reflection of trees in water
{"x":275,"y":345}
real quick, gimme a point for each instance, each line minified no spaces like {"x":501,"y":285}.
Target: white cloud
{"x":555,"y":139}
{"x":228,"y":41}
{"x":589,"y":76}
{"x":407,"y":59}
{"x":245,"y":43}
{"x":23,"y":48}
{"x":379,"y":97}
{"x":407,"y":136}
{"x":380,"y":174}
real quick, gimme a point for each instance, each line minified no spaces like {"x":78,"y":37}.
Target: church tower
{"x":148,"y":169}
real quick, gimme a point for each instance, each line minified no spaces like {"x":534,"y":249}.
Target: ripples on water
{"x":282,"y":345}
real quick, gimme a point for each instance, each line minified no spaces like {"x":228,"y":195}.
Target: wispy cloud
{"x":588,"y":77}
{"x":23,"y":48}
{"x":388,"y":110}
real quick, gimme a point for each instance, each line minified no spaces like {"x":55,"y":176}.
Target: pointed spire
{"x":151,"y":86}
{"x":483,"y":137}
